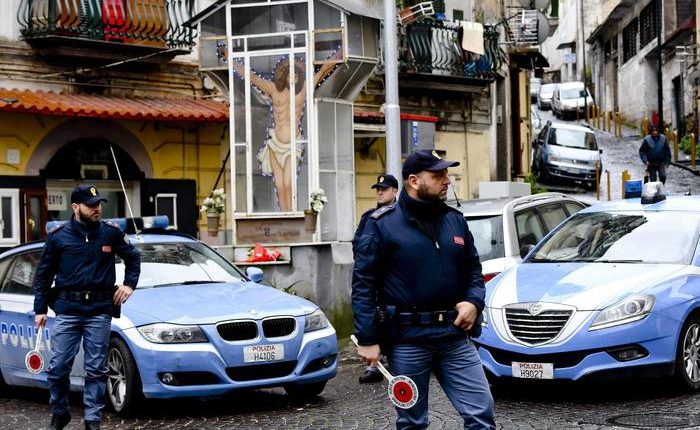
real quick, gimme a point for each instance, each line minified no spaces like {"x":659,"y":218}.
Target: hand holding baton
{"x":402,"y":391}
{"x":34,"y":360}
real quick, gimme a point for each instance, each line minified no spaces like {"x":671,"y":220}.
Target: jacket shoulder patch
{"x":111,"y":224}
{"x":56,"y":228}
{"x":382,"y":210}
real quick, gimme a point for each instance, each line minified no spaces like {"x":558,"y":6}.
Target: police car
{"x":612,"y":291}
{"x":195,"y":326}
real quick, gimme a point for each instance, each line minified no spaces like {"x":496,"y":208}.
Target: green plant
{"x":684,"y":145}
{"x":534,"y":188}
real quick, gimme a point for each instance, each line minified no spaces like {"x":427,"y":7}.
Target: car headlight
{"x":172,"y":333}
{"x":316,"y":320}
{"x":631,"y":309}
{"x":553,"y":159}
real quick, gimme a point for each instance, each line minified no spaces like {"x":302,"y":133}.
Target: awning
{"x":677,"y":37}
{"x":565,"y":45}
{"x":529,"y":59}
{"x":370,"y":8}
{"x":621,"y":10}
{"x":97,"y":106}
{"x":378,"y":117}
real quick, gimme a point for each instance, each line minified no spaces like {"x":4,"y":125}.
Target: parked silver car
{"x":544,"y":97}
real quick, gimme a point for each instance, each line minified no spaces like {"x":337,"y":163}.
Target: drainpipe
{"x":659,"y":70}
{"x":583,"y":56}
{"x":392,"y":112}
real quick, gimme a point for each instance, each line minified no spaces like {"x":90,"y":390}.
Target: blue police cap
{"x":425,"y":159}
{"x":386,"y":181}
{"x":86,"y":194}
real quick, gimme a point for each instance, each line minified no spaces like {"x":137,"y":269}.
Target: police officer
{"x":419,"y":256}
{"x":387,"y":187}
{"x":80,"y":254}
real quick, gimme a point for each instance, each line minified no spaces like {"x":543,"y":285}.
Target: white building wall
{"x":9,"y":27}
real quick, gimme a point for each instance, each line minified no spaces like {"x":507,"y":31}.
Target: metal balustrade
{"x":153,"y":23}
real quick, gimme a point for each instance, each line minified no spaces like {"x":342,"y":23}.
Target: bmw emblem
{"x":534,"y":309}
{"x":253,"y":312}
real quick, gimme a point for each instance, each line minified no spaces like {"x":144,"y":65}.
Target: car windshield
{"x":164,"y":264}
{"x":547,"y":90}
{"x":623,"y":237}
{"x":488,"y":236}
{"x":573,"y":138}
{"x":573,"y":93}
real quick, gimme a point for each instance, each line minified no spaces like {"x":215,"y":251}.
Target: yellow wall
{"x":471,"y":149}
{"x":367,"y":168}
{"x":199,"y":159}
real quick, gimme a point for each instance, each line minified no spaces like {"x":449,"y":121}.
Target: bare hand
{"x":466,"y":315}
{"x":40,"y":321}
{"x":369,"y":353}
{"x":122,"y":294}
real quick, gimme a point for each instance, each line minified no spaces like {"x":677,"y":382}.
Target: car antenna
{"x":126,"y":197}
{"x":454,"y":191}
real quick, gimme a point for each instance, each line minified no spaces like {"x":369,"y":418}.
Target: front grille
{"x":278,"y":327}
{"x":261,"y":371}
{"x":536,"y":329}
{"x":238,"y":330}
{"x":560,"y":359}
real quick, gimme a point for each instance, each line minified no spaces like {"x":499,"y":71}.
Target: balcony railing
{"x":434,"y":47}
{"x":151,"y":23}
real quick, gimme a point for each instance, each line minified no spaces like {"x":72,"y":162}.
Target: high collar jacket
{"x":83,"y":259}
{"x":409,"y":269}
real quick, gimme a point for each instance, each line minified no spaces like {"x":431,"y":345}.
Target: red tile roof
{"x":97,"y":106}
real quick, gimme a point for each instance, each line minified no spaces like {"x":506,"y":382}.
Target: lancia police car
{"x":613,"y":291}
{"x":194,"y":326}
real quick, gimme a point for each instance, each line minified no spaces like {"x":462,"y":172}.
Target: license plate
{"x":533,"y":370}
{"x":263,"y":353}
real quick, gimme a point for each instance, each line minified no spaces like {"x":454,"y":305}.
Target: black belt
{"x":86,"y":296}
{"x":426,"y":317}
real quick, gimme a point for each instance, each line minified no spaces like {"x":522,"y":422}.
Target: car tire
{"x":124,"y":392}
{"x":688,"y":355}
{"x":305,"y":391}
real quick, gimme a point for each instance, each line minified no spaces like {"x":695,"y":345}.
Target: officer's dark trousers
{"x":66,"y":334}
{"x":457,"y":367}
{"x":655,"y":169}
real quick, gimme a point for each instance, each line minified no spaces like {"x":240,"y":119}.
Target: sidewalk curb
{"x":688,"y":168}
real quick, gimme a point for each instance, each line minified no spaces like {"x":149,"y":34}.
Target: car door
{"x":17,"y":333}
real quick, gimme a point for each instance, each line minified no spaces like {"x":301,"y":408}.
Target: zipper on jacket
{"x":437,"y":245}
{"x":86,"y":238}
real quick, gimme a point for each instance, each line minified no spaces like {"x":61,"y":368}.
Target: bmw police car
{"x":614,"y":290}
{"x":195,"y":326}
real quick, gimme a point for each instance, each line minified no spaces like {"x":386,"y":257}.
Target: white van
{"x":570,"y":97}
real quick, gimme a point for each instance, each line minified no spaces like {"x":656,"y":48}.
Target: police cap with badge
{"x":86,"y":194}
{"x":425,"y":160}
{"x":386,"y":181}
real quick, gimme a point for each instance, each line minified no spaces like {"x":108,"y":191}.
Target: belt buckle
{"x":86,"y":297}
{"x":441,"y":316}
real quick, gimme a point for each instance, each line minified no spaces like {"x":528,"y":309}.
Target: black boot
{"x":371,"y":375}
{"x":58,"y":422}
{"x":92,"y":425}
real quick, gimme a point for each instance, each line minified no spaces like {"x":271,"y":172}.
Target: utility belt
{"x":421,"y":317}
{"x":85,"y":296}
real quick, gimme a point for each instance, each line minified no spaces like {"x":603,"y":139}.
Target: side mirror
{"x":600,"y":151}
{"x":255,"y":274}
{"x":525,"y":249}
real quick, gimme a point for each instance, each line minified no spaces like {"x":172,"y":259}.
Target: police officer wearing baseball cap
{"x":80,"y":255}
{"x":387,"y":187}
{"x":419,"y":257}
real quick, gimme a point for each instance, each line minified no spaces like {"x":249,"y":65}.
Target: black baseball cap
{"x":425,"y":159}
{"x":86,"y":194}
{"x":386,"y":181}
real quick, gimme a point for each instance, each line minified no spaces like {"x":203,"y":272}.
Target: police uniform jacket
{"x":414,"y":270}
{"x":82,"y":259}
{"x":361,"y":228}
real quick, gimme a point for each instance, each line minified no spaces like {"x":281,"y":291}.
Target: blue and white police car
{"x":612,"y":291}
{"x":195,"y":326}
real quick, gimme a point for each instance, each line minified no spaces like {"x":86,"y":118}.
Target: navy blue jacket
{"x":395,"y":255}
{"x":361,"y":228}
{"x":655,"y":151}
{"x":82,"y":259}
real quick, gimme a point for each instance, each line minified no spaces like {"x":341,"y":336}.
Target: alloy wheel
{"x":116,"y":378}
{"x":691,"y":353}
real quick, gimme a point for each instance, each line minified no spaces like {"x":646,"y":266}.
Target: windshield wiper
{"x":170,"y":284}
{"x":544,"y":260}
{"x":591,"y":260}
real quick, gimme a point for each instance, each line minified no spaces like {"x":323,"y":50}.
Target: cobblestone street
{"x":347,"y":405}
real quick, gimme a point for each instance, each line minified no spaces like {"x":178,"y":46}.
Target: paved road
{"x":347,"y":405}
{"x":622,"y":154}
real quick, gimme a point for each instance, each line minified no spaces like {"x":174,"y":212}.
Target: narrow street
{"x":621,"y":154}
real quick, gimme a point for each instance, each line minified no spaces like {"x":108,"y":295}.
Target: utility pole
{"x":659,"y":70}
{"x":392,"y":113}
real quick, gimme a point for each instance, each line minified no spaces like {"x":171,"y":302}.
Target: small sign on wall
{"x":12,"y":156}
{"x":56,"y":200}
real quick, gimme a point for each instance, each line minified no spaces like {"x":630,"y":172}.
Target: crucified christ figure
{"x":275,"y":155}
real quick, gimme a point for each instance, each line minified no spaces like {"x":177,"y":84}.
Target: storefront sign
{"x":56,"y":200}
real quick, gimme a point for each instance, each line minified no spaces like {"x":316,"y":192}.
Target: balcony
{"x":430,"y":52}
{"x":108,"y":29}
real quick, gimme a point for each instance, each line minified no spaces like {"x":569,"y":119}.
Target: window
{"x":648,"y":24}
{"x":684,"y":10}
{"x":530,"y":230}
{"x":457,"y":15}
{"x":629,"y":40}
{"x":20,"y":278}
{"x":488,"y":236}
{"x":552,"y":215}
{"x":166,"y":204}
{"x":573,"y":207}
{"x":9,"y":217}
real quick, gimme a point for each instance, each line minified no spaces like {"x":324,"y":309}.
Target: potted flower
{"x":317,"y":198}
{"x":214,"y":206}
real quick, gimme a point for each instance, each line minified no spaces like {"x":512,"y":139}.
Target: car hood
{"x":586,"y":286}
{"x":574,"y":153}
{"x":210,"y":303}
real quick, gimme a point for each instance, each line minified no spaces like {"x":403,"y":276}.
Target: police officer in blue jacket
{"x":80,"y":254}
{"x":416,"y":260}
